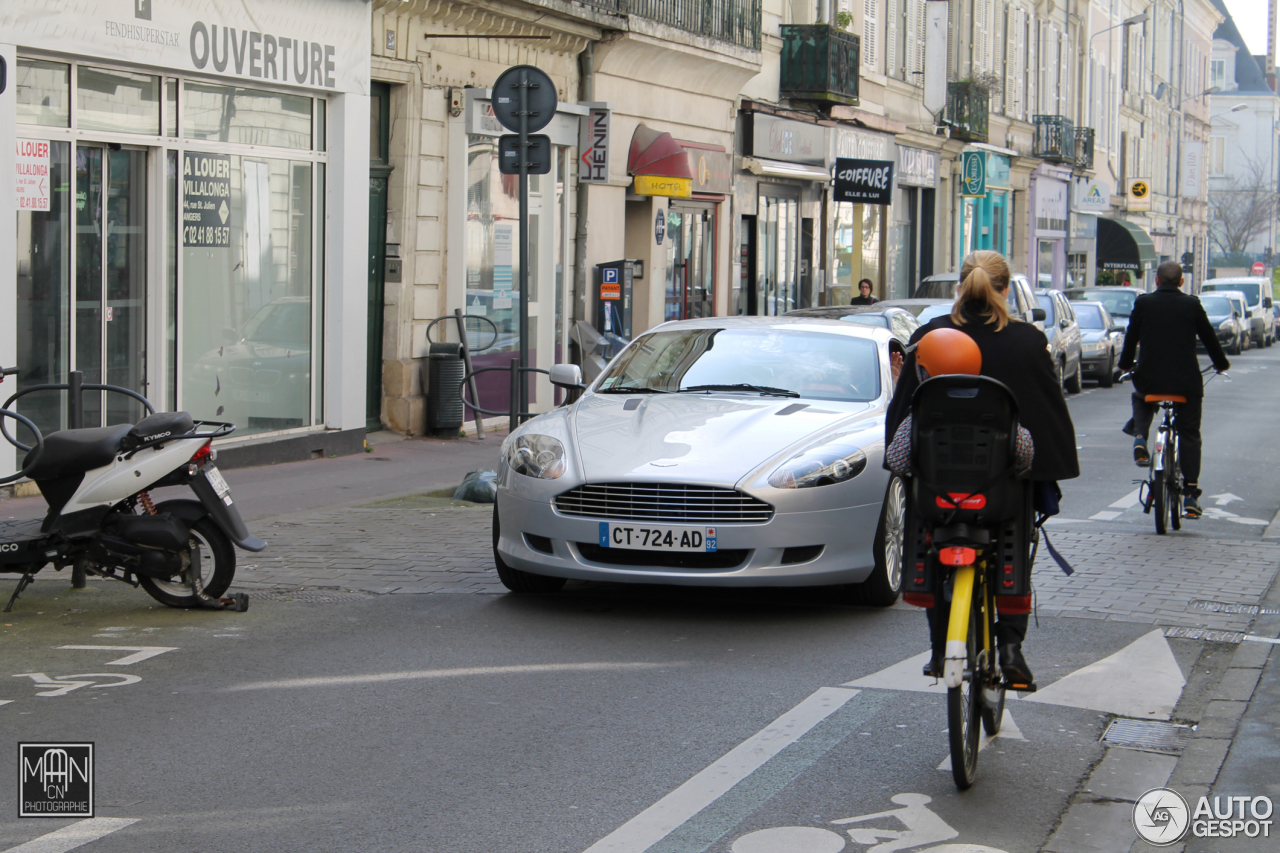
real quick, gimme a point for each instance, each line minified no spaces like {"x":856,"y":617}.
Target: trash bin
{"x":445,"y":371}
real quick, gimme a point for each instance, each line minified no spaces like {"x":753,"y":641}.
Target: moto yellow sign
{"x":1139,"y":194}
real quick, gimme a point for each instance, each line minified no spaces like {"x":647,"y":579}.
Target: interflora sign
{"x":863,"y":181}
{"x":263,"y":42}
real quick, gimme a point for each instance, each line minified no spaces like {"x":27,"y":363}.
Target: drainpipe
{"x":586,"y":92}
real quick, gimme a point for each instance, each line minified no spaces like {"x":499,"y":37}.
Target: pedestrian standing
{"x":864,"y":296}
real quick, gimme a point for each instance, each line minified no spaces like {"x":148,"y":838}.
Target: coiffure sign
{"x":255,"y":42}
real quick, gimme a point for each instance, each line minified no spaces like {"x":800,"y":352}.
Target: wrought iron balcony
{"x":819,"y":63}
{"x":733,"y":21}
{"x":1084,"y":148}
{"x":1055,"y":139}
{"x":968,"y":104}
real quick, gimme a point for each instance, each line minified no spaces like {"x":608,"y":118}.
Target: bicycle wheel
{"x":1160,"y":484}
{"x":1174,"y":473}
{"x":992,"y":697}
{"x":964,"y":708}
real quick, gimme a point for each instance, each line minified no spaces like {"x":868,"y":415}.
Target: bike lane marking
{"x":75,"y":835}
{"x":140,"y":653}
{"x":1008,"y":728}
{"x":691,"y":799}
{"x":1121,"y":505}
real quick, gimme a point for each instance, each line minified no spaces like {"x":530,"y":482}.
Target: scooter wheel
{"x":217,"y":568}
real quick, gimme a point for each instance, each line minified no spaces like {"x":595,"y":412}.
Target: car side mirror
{"x":566,"y":375}
{"x":1037,"y":315}
{"x":1235,"y":315}
{"x":1266,"y":302}
{"x":1064,"y":323}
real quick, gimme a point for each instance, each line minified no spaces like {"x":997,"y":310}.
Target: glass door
{"x":110,"y":283}
{"x":690,"y":282}
{"x":777,"y":273}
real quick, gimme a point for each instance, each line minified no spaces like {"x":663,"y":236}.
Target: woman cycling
{"x":1016,"y":354}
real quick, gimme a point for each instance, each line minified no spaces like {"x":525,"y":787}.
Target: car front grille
{"x":663,"y":503}
{"x":703,"y":560}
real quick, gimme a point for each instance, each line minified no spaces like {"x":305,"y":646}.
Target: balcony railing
{"x":1055,"y":139}
{"x":967,"y":106}
{"x":819,"y":63}
{"x":1084,"y":148}
{"x":733,"y":21}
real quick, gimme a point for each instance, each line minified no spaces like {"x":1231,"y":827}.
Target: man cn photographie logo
{"x":55,"y":780}
{"x":1161,"y":817}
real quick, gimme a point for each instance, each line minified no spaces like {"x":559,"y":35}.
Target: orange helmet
{"x":944,"y":351}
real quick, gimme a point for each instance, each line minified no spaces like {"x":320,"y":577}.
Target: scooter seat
{"x":74,"y":451}
{"x":157,"y":429}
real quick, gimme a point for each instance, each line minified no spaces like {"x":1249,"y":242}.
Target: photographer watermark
{"x":1162,"y":817}
{"x":55,"y":780}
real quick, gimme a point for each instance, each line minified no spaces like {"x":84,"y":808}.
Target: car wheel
{"x":1108,"y":376}
{"x":885,"y":584}
{"x":514,"y":579}
{"x":1270,"y":339}
{"x":1076,"y":383}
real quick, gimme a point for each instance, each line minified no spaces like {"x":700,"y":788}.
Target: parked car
{"x":923,"y":309}
{"x":1021,"y":298}
{"x":1118,"y":300}
{"x":898,"y":321}
{"x":1229,"y":315}
{"x":1101,"y":340}
{"x":728,"y":451}
{"x":1257,"y":293}
{"x":1064,"y":338}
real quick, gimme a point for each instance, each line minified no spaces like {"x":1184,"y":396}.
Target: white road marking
{"x":1106,"y":516}
{"x":141,"y":653}
{"x":1250,"y":637}
{"x":1225,"y":498}
{"x":904,"y":675}
{"x":1008,"y":728}
{"x":665,"y":816}
{"x":64,"y":684}
{"x":6,"y":701}
{"x":1127,"y":501}
{"x":1141,"y":680}
{"x":75,"y":835}
{"x":414,"y":675}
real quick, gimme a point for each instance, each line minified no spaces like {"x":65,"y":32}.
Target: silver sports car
{"x":740,"y":451}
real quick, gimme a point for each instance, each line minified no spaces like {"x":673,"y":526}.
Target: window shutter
{"x":869,"y":25}
{"x":914,"y":52}
{"x":892,"y":25}
{"x":981,"y":41}
{"x":999,"y":25}
{"x":1065,"y":64}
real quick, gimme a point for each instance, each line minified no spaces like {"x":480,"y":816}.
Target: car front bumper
{"x":846,"y":536}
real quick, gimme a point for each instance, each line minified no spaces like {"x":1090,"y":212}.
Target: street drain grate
{"x":1206,"y":634}
{"x":1147,"y":734}
{"x":308,"y":596}
{"x":1228,"y":607}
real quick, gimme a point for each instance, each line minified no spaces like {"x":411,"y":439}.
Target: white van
{"x":1257,"y":291}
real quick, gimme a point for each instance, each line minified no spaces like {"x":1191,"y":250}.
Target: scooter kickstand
{"x":25,"y":582}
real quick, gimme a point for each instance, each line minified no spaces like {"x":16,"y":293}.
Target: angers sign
{"x":206,"y":200}
{"x":863,"y":181}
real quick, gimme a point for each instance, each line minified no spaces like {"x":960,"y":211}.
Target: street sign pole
{"x":524,"y":239}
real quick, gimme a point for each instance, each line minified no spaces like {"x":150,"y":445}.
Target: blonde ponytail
{"x":982,"y":276}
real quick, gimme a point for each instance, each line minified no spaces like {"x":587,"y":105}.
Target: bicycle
{"x":1165,"y":487}
{"x":972,"y":547}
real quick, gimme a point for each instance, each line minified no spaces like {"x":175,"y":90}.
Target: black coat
{"x":863,"y":300}
{"x":1018,"y":356}
{"x":1166,"y":324}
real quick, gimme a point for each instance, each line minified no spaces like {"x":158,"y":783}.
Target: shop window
{"x":44,"y":93}
{"x":246,"y":116}
{"x":246,"y":292}
{"x":117,"y":101}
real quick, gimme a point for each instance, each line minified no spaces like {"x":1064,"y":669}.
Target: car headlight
{"x":822,"y":466}
{"x":1225,"y":325}
{"x":539,"y":456}
{"x":1093,"y":346}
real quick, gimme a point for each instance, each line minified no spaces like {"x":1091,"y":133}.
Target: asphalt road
{"x":606,"y":718}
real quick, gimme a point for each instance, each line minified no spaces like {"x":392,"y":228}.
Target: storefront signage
{"x":998,"y":172}
{"x":250,"y":40}
{"x":1051,"y":208}
{"x":1084,"y":226}
{"x":973,"y":175}
{"x":206,"y":200}
{"x":917,"y":167}
{"x":663,"y":186}
{"x":790,"y":141}
{"x":659,"y":226}
{"x":31,"y":178}
{"x":1138,"y":191}
{"x":861,"y":145}
{"x":1092,"y":196}
{"x":1192,"y":168}
{"x":863,"y":181}
{"x":593,"y":168}
{"x":712,"y":171}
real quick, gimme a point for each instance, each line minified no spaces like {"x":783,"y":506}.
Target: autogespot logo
{"x":1161,"y":817}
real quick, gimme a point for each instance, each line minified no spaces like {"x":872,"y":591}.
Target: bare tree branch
{"x":1243,"y":209}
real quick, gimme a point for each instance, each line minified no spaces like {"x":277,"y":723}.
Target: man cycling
{"x":1162,"y":331}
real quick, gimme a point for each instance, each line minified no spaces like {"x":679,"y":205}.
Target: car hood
{"x":699,"y":438}
{"x":1090,"y":336}
{"x":1215,"y":319}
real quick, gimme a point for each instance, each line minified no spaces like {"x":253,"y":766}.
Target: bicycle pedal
{"x":1019,"y":687}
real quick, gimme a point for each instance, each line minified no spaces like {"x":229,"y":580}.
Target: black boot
{"x":1013,"y":665}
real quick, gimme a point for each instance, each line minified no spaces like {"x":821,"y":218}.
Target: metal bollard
{"x":514,"y":420}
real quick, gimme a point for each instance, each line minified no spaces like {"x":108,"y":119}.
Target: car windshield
{"x":811,"y":364}
{"x":1250,"y":289}
{"x":284,"y":324}
{"x":1216,"y":304}
{"x":1089,"y":317}
{"x":1117,"y":302}
{"x":878,"y":320}
{"x":1046,"y":302}
{"x":931,"y":311}
{"x":938,"y":288}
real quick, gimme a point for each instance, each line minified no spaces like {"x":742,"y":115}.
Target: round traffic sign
{"x":541,"y":103}
{"x":1139,"y":189}
{"x":1259,"y":268}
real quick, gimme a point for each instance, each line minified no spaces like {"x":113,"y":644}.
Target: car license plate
{"x":656,"y":537}
{"x":220,"y":487}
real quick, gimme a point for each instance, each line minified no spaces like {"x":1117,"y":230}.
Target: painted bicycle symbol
{"x":61,"y":685}
{"x":922,"y":827}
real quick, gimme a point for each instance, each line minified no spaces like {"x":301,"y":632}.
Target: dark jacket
{"x":1018,"y":356}
{"x":863,"y":300}
{"x":1163,"y":330}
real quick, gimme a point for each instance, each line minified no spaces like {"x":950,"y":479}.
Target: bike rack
{"x":514,"y":416}
{"x":39,"y":446}
{"x":461,"y":318}
{"x":75,"y":386}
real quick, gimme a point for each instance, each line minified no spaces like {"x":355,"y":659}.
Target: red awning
{"x":657,"y":154}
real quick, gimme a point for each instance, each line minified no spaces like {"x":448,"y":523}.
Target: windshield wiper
{"x":633,"y":389}
{"x":743,"y":386}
